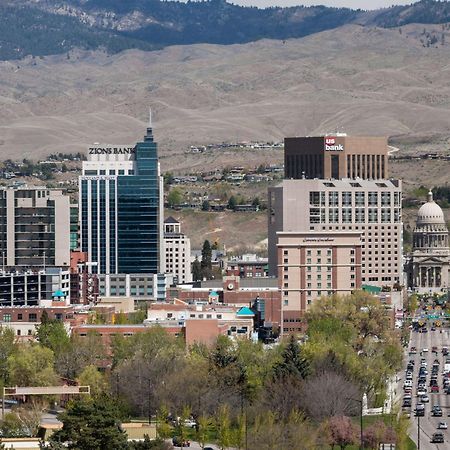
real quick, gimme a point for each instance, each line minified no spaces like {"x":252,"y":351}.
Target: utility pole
{"x":418,"y":432}
{"x":361,"y":427}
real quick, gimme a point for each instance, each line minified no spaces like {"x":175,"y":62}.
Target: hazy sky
{"x":363,"y":4}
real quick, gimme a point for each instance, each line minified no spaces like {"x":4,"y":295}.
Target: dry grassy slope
{"x":355,"y":79}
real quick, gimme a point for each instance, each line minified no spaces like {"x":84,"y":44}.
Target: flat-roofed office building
{"x":121,"y":208}
{"x":371,"y":208}
{"x":336,"y":157}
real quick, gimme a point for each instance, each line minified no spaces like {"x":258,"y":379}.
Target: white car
{"x":421,"y":392}
{"x":442,"y":426}
{"x":425,"y":398}
{"x":425,"y":349}
{"x":407,"y":383}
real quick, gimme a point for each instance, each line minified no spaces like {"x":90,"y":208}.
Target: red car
{"x":434,"y":388}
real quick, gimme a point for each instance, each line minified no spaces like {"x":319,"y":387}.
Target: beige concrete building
{"x":430,"y":259}
{"x":34,"y":227}
{"x":314,"y":264}
{"x":177,"y":249}
{"x":371,"y":208}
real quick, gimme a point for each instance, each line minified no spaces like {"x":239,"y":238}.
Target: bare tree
{"x":330,"y":394}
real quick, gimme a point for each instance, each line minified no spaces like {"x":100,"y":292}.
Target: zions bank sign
{"x":331,"y":145}
{"x":111,"y":150}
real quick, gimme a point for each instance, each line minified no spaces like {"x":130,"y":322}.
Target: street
{"x":428,"y":423}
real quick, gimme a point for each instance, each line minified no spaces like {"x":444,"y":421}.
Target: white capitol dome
{"x":430,"y":213}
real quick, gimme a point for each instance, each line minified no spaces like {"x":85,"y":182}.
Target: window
{"x":346,"y":198}
{"x":385,"y":215}
{"x":346,"y":215}
{"x":360,"y":215}
{"x":19,"y":332}
{"x":30,"y":332}
{"x":333,"y":215}
{"x":373,"y":215}
{"x":385,"y":199}
{"x":19,"y":317}
{"x":360,"y":198}
{"x":333,"y":199}
{"x":373,"y":198}
{"x":32,"y":317}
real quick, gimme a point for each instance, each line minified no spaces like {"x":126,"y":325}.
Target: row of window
{"x":335,"y":198}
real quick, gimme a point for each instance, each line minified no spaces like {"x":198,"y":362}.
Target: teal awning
{"x":245,"y":311}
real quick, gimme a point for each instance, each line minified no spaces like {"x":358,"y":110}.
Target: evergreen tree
{"x":293,"y":363}
{"x":206,"y":264}
{"x":196,"y":270}
{"x":91,"y":425}
{"x":232,"y":202}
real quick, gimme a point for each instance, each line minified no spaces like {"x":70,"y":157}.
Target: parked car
{"x":435,"y":388}
{"x":437,"y":438}
{"x":442,"y":426}
{"x":425,"y":398}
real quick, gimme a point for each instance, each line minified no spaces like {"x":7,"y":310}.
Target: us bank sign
{"x":332,"y":146}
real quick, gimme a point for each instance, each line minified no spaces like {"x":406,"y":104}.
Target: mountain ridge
{"x":44,"y":27}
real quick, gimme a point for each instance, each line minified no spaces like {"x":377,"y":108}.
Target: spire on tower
{"x":430,"y":195}
{"x":150,"y":117}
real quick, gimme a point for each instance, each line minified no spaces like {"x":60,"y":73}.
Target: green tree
{"x":32,"y":366}
{"x":292,"y":363}
{"x":196,"y":270}
{"x":175,"y":197}
{"x":205,"y":205}
{"x":91,"y":424}
{"x":232,"y":202}
{"x":92,"y":377}
{"x":223,"y":426}
{"x":8,"y":346}
{"x":163,"y":428}
{"x":53,"y":335}
{"x":202,"y":430}
{"x":206,"y":263}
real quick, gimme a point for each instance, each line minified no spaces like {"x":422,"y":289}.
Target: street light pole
{"x":418,"y":432}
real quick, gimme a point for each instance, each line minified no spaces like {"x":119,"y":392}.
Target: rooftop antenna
{"x":150,"y":117}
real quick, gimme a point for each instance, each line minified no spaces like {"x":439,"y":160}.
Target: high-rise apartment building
{"x":370,"y":207}
{"x":121,"y":208}
{"x":336,"y":157}
{"x":34,"y":227}
{"x":177,"y":248}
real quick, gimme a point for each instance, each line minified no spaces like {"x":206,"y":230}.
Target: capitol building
{"x":428,"y":268}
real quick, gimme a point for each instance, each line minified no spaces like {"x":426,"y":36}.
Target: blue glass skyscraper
{"x":120,"y":208}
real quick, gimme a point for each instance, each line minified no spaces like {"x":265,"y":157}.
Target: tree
{"x":205,"y":205}
{"x":342,"y":431}
{"x":223,"y":426}
{"x":148,"y":444}
{"x":202,"y":430}
{"x":32,"y":366}
{"x":175,"y":197}
{"x":52,"y":334}
{"x":8,"y":346}
{"x":206,"y":263}
{"x":92,"y":377}
{"x":196,"y":270}
{"x":293,"y":363}
{"x":329,"y":394}
{"x":91,"y":424}
{"x":232,"y":203}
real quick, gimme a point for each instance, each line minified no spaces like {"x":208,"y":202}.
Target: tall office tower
{"x":370,"y":207}
{"x":177,"y":247}
{"x":121,"y":208}
{"x":336,"y":157}
{"x":34,"y":227}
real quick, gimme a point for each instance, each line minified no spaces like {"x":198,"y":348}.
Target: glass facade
{"x":138,"y":212}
